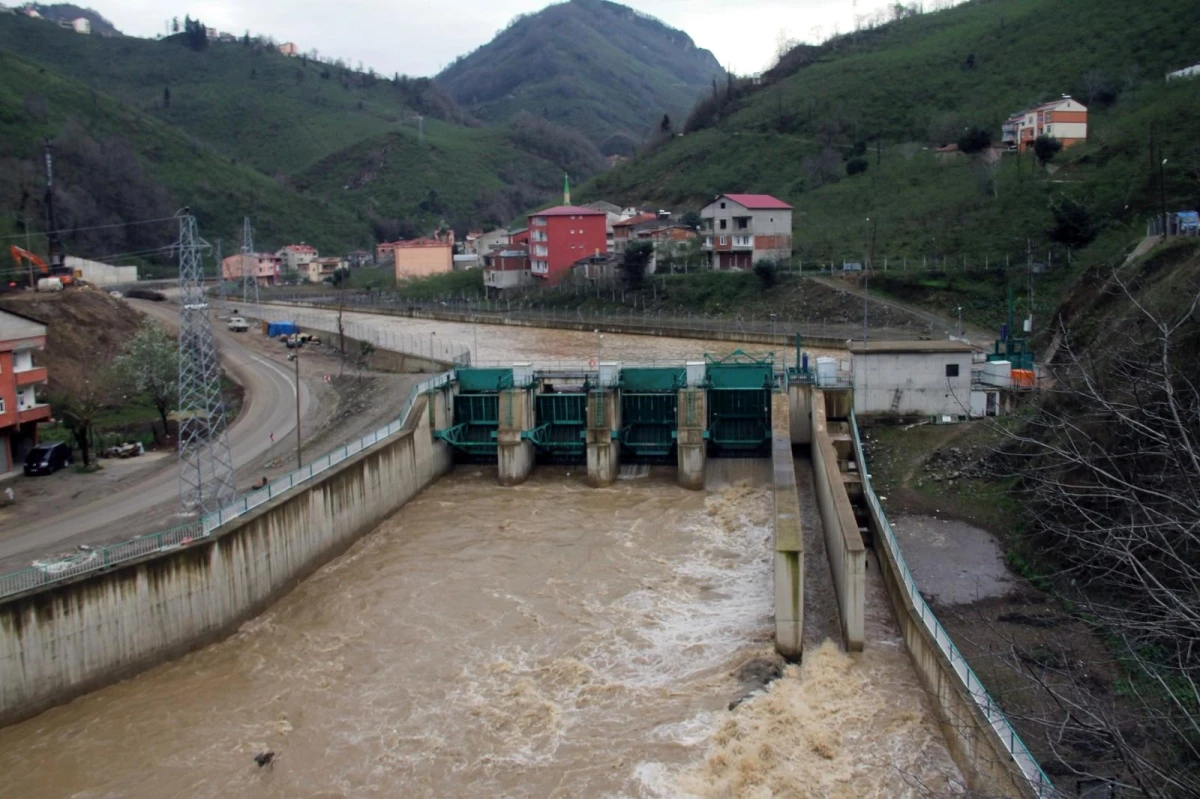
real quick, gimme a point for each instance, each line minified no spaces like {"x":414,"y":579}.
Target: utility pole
{"x":207,"y":481}
{"x":296,"y":358}
{"x":54,"y":246}
{"x":1162,"y":191}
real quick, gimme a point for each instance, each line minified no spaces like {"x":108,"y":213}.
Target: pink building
{"x":263,"y":267}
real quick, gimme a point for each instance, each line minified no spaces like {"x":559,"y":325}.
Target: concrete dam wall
{"x":62,"y":641}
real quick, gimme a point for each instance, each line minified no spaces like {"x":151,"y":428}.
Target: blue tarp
{"x":276,"y":329}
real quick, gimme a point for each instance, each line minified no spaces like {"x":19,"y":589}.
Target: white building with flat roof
{"x":912,"y":378}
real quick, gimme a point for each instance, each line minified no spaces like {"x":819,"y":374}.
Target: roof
{"x":568,"y":210}
{"x":636,"y":220}
{"x":899,"y":347}
{"x":422,"y":242}
{"x":11,"y":312}
{"x":301,"y":247}
{"x":758,"y":201}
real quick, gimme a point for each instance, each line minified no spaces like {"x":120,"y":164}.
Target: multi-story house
{"x":741,"y":229}
{"x":297,"y":257}
{"x":1065,"y":119}
{"x":323,"y":268}
{"x":506,"y":267}
{"x":423,"y":257}
{"x":20,"y":410}
{"x":626,"y":230}
{"x":263,"y":267}
{"x":560,"y":236}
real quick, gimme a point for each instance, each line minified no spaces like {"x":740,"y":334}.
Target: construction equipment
{"x":26,"y":261}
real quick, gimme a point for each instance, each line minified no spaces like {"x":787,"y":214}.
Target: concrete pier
{"x":514,"y":452}
{"x":603,"y":446}
{"x":789,"y":542}
{"x":691,"y":443}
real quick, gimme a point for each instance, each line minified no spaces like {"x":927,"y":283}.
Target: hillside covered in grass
{"x":114,"y":165}
{"x":847,"y":133}
{"x":594,"y":66}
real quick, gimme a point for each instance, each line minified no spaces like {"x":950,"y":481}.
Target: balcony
{"x":31,"y":377}
{"x":743,"y":242}
{"x":34,"y":413}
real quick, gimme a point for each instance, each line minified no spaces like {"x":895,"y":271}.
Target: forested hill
{"x":320,"y":133}
{"x":594,"y":66}
{"x":847,"y":131}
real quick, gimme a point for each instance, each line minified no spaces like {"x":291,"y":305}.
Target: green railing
{"x":1028,"y":765}
{"x":102,"y":557}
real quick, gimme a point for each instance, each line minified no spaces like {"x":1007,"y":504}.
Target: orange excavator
{"x":25,"y":261}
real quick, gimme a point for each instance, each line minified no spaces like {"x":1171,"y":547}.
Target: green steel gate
{"x":561,"y":426}
{"x":739,"y":403}
{"x":649,"y":409}
{"x":476,"y":420}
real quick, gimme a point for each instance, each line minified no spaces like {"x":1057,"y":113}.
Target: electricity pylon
{"x":206,"y":476}
{"x":249,"y":278}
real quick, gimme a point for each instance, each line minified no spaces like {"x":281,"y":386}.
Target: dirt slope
{"x":86,"y":327}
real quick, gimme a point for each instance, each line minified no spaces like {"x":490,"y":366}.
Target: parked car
{"x":238,"y":325}
{"x":48,"y":458}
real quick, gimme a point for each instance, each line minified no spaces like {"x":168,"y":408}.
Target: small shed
{"x":912,"y":378}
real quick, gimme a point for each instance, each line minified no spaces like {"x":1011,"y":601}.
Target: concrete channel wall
{"x":843,"y":542}
{"x":981,"y":740}
{"x":65,"y":640}
{"x":789,"y":540}
{"x":589,"y":325}
{"x":384,"y":360}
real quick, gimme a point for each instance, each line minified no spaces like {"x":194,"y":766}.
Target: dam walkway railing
{"x":92,"y":559}
{"x":1039,"y":783}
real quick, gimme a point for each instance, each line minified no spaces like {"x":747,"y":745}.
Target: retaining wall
{"x":781,"y":340}
{"x":789,"y":542}
{"x":382,"y":360}
{"x":843,"y":542}
{"x":62,"y":641}
{"x":976,"y":739}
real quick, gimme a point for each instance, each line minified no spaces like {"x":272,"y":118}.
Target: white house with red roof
{"x":1065,"y":119}
{"x":742,"y":229}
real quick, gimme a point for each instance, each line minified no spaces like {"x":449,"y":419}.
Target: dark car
{"x":48,"y":458}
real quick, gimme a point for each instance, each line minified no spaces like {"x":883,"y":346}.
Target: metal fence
{"x":430,"y":346}
{"x":94,"y":559}
{"x":687,"y":325}
{"x":1024,"y":759}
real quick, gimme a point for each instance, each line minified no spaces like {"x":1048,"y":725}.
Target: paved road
{"x":269,"y":407}
{"x":942,"y":325}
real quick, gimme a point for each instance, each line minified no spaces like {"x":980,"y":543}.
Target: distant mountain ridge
{"x":595,"y":66}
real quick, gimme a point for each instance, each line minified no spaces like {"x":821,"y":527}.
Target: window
{"x":724,"y":240}
{"x":722,"y":224}
{"x":951,"y":370}
{"x":1,"y":405}
{"x":722,"y":206}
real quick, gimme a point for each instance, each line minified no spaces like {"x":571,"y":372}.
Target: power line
{"x":92,"y":227}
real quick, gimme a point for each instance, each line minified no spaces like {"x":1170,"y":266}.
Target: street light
{"x":772,"y":330}
{"x":960,"y":324}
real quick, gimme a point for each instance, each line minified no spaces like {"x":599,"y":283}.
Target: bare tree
{"x":78,"y":399}
{"x":1110,"y":462}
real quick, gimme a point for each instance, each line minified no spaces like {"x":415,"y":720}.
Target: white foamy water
{"x":548,"y":640}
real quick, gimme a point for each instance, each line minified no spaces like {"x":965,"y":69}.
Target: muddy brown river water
{"x":547,"y":640}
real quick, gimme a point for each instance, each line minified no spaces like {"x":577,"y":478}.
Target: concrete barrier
{"x":789,"y":541}
{"x":62,"y":641}
{"x":384,"y":360}
{"x":843,"y":542}
{"x":590,"y":325}
{"x":981,"y":739}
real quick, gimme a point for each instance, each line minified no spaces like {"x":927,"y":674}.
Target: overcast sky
{"x":419,"y":37}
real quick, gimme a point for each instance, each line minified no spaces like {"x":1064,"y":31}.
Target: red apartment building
{"x":20,"y":411}
{"x":560,"y":236}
